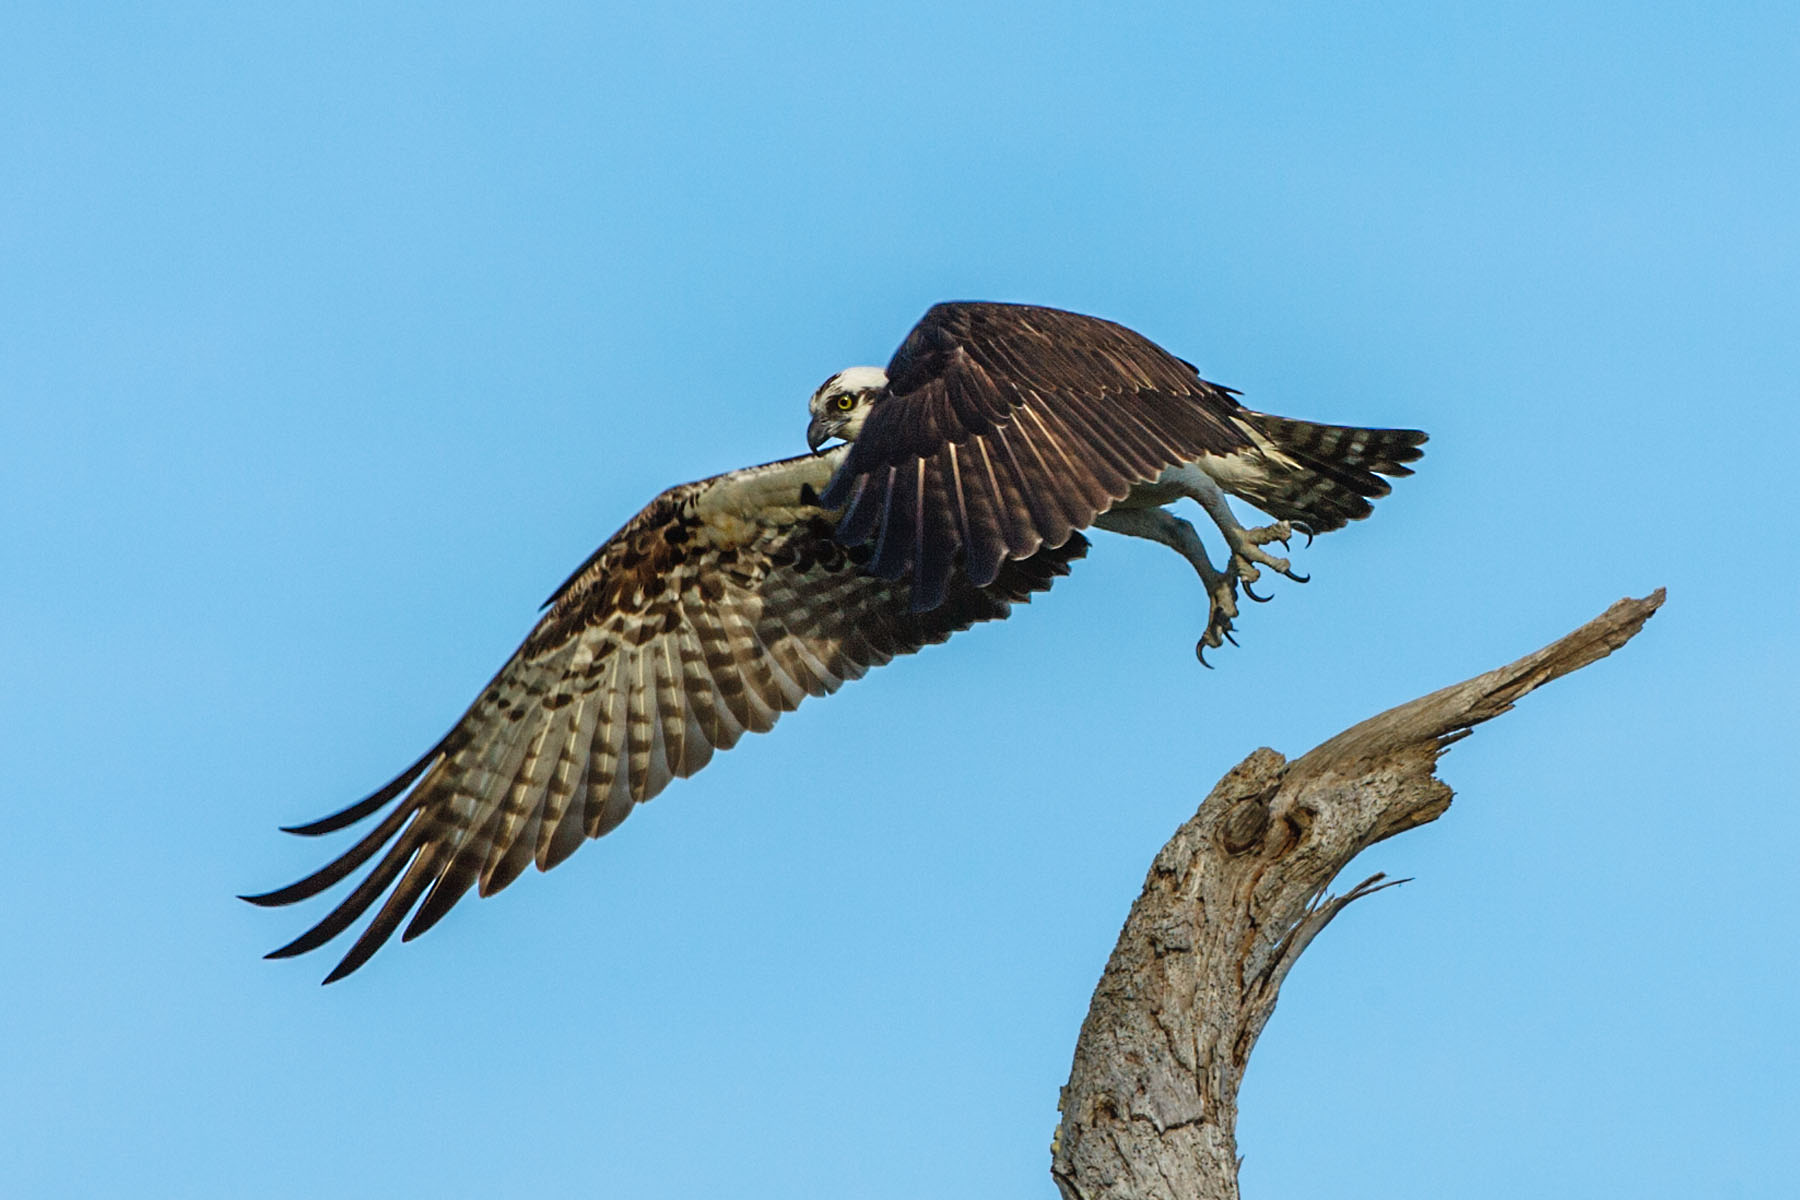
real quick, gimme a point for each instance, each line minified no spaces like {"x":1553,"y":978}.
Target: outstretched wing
{"x":1006,"y":427}
{"x":717,"y":608}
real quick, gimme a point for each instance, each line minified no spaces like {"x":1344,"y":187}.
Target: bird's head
{"x":842,"y":404}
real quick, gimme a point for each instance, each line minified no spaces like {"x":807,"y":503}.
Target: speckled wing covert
{"x":1007,"y":427}
{"x":720,"y":606}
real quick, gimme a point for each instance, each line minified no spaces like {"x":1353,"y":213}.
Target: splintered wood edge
{"x":1445,"y":715}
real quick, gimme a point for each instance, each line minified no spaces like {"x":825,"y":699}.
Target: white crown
{"x":854,"y":379}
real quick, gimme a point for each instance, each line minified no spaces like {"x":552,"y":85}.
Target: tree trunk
{"x":1150,"y":1110}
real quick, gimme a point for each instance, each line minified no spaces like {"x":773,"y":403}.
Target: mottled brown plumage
{"x":720,"y":606}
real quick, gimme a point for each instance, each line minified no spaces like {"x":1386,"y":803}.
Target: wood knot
{"x":1295,"y":822}
{"x":1244,"y":825}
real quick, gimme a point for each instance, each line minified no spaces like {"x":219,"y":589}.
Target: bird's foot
{"x":1221,"y":593}
{"x":1248,"y":558}
{"x":1248,"y":555}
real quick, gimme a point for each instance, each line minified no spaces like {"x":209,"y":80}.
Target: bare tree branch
{"x":1150,"y":1110}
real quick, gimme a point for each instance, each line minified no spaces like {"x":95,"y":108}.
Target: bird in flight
{"x":961,"y":480}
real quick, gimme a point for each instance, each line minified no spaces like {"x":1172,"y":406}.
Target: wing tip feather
{"x":374,"y":801}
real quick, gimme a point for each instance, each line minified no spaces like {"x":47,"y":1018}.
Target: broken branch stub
{"x":1150,"y":1110}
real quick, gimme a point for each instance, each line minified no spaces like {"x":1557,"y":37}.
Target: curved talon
{"x":1298,"y":578}
{"x":1228,"y":636}
{"x":1303,"y":528}
{"x":1200,"y":653}
{"x":1251,"y":592}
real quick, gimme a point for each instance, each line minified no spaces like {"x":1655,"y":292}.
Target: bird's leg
{"x":1160,"y":525}
{"x":1247,"y":552}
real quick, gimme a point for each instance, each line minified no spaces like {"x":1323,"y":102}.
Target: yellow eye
{"x":846,"y":403}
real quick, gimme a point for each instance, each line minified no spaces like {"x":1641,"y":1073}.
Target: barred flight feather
{"x":1324,"y":476}
{"x":684,"y":631}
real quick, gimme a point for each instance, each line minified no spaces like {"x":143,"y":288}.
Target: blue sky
{"x":332,"y":338}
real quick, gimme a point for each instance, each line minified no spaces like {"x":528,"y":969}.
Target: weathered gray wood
{"x":1150,"y":1110}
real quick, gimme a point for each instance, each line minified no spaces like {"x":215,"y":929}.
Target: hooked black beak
{"x":818,"y":432}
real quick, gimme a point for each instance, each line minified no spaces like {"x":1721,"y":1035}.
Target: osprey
{"x":966,"y":471}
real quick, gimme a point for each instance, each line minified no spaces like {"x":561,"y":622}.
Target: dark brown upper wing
{"x":1005,"y":428}
{"x":682,"y":633}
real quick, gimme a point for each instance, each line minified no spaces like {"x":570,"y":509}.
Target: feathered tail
{"x":1322,"y":476}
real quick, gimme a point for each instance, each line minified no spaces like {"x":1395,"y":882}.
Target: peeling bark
{"x":1150,"y":1110}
